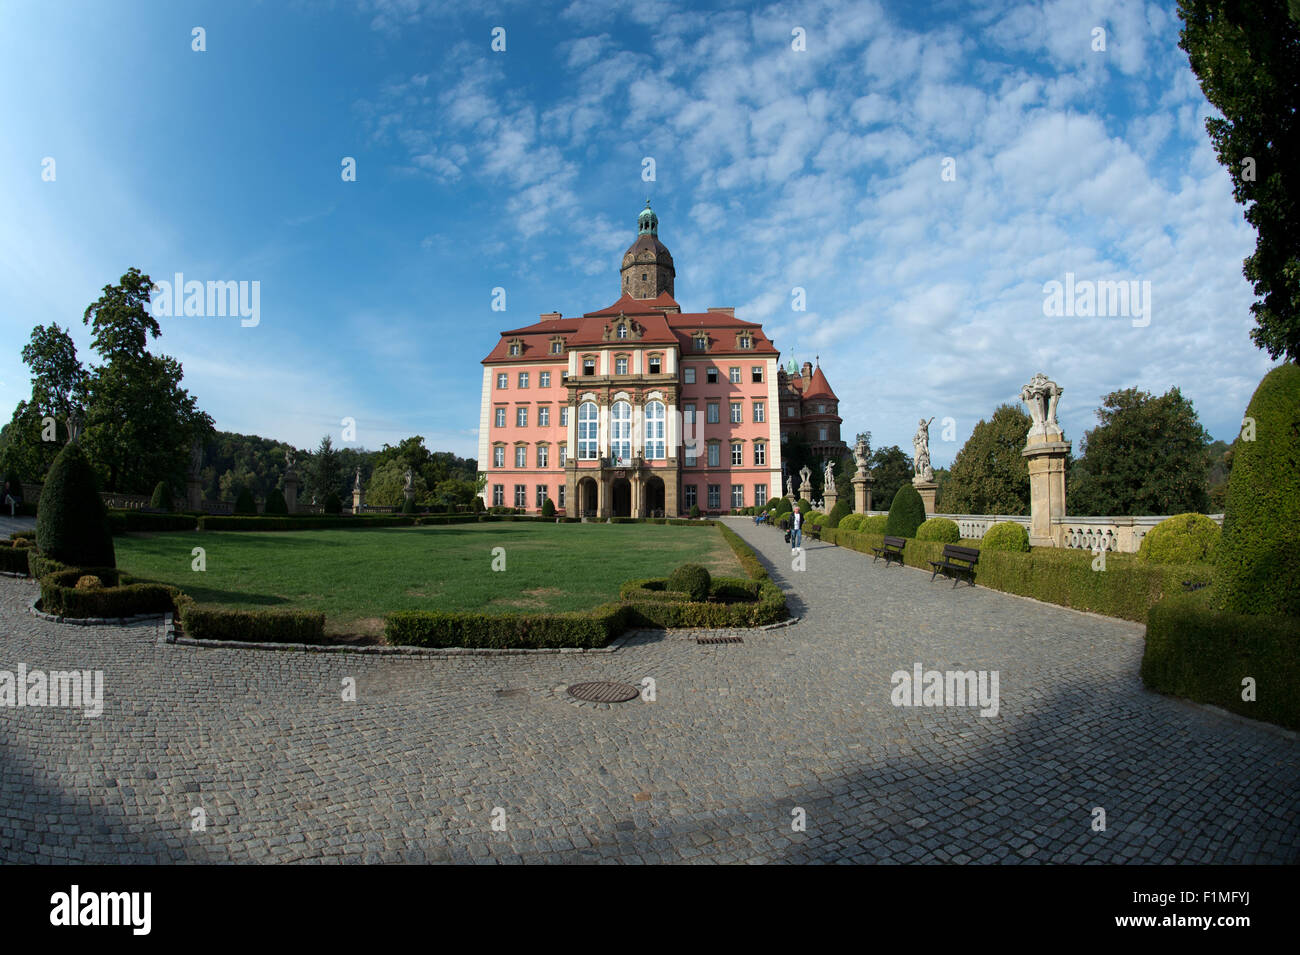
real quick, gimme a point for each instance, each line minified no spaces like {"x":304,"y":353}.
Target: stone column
{"x":358,"y":500}
{"x":1047,"y":451}
{"x":927,"y":490}
{"x":829,"y":497}
{"x":193,"y":494}
{"x":291,"y":484}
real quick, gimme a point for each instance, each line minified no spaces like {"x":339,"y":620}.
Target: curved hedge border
{"x":1203,"y":654}
{"x":255,"y":626}
{"x":1126,"y":588}
{"x":121,"y":596}
{"x":13,"y":556}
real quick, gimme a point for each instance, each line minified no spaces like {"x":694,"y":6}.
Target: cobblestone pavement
{"x":740,"y":736}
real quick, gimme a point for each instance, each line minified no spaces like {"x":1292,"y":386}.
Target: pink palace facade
{"x":635,"y":410}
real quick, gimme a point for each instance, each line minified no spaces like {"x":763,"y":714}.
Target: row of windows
{"x":736,"y":410}
{"x":521,"y":495}
{"x":521,"y":417}
{"x":792,"y":412}
{"x":621,"y":449}
{"x":521,"y":456}
{"x":654,"y":365}
{"x":713,"y":454}
{"x":690,"y":495}
{"x":557,"y":348}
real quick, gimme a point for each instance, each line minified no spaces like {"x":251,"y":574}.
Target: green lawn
{"x":357,"y":576}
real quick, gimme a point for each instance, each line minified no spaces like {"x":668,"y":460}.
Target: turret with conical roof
{"x":647,"y":264}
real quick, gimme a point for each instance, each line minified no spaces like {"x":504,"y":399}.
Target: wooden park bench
{"x":891,"y":549}
{"x":956,"y":560}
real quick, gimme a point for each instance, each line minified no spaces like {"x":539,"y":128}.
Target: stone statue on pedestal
{"x":1041,"y":397}
{"x":410,"y":478}
{"x":828,"y":476}
{"x":921,"y":445}
{"x":356,"y":481}
{"x":860,"y":456}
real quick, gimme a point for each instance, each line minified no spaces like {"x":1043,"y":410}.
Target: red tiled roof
{"x":818,"y":386}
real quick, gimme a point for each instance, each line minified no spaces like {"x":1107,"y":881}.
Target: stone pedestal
{"x":805,"y":491}
{"x":291,"y":484}
{"x":861,"y":493}
{"x":193,"y":495}
{"x":927,"y":490}
{"x":358,"y":500}
{"x":1046,"y":454}
{"x":829,"y":499}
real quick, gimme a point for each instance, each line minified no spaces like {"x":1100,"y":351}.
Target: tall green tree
{"x":1147,"y":456}
{"x":989,"y":475}
{"x":326,"y":473}
{"x":58,"y":388}
{"x":890,"y":469}
{"x":1246,"y":54}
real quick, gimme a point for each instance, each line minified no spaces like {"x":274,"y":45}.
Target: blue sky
{"x":775,"y":168}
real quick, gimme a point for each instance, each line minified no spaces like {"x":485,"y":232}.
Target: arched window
{"x":620,"y":435}
{"x":654,"y":431}
{"x":588,"y":430}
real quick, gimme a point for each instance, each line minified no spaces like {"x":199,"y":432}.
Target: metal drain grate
{"x":719,"y":640}
{"x":604,"y":692}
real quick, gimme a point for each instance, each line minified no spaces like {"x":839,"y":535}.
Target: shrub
{"x":38,"y":565}
{"x":122,"y":522}
{"x":332,"y":504}
{"x":692,"y":579}
{"x":72,"y":523}
{"x":1258,"y":555}
{"x":906,"y":513}
{"x":436,"y":628}
{"x":548,"y":508}
{"x":1006,"y":535}
{"x":253,"y":626}
{"x":805,"y":505}
{"x":162,"y":497}
{"x":275,"y":503}
{"x":850,"y":522}
{"x":1203,"y":654}
{"x":783,"y":506}
{"x":1182,"y":539}
{"x":695,"y":510}
{"x":408,"y":505}
{"x":939,"y":529}
{"x":89,"y":582}
{"x":874,"y":525}
{"x":244,"y":503}
{"x":119,"y":595}
{"x":14,"y":556}
{"x":744,"y":553}
{"x":738,"y":603}
{"x":841,"y":510}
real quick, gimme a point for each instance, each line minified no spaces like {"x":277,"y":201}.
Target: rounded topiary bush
{"x":783,"y":506}
{"x":71,"y":521}
{"x":695,"y":510}
{"x":1257,"y":558}
{"x":906,"y":513}
{"x":275,"y":502}
{"x":1007,"y":535}
{"x":838,"y":513}
{"x":1182,"y":539}
{"x":548,"y":508}
{"x":939,"y":529}
{"x":332,"y":504}
{"x":691,"y":579}
{"x":244,"y":503}
{"x":89,"y":582}
{"x":874,"y":525}
{"x":806,"y":505}
{"x":162,"y":497}
{"x":850,"y":522}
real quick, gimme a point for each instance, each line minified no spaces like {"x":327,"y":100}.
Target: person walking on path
{"x":796,"y":527}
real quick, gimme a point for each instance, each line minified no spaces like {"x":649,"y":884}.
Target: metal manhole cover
{"x":719,"y":640}
{"x":604,"y":692}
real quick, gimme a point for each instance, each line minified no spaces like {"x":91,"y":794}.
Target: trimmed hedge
{"x":162,"y":497}
{"x":13,"y":556}
{"x":124,"y":522}
{"x":1182,"y":539}
{"x":1126,"y":588}
{"x":121,"y":595}
{"x":851,"y":522}
{"x":72,"y":525}
{"x":768,"y":607}
{"x":875,"y":524}
{"x":940,"y":529}
{"x":436,"y":628}
{"x":1005,"y":536}
{"x":276,"y":505}
{"x":841,"y":510}
{"x":1258,"y":555}
{"x":252,"y":626}
{"x":744,"y":553}
{"x":244,"y":503}
{"x":311,"y":522}
{"x":1202,"y":654}
{"x":906,"y":513}
{"x":38,"y":565}
{"x":691,"y":579}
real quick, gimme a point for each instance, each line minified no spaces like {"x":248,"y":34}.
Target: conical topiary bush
{"x":1258,"y":557}
{"x":71,"y":520}
{"x":906,"y":513}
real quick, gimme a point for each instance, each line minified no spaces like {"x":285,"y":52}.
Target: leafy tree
{"x":325,"y":477}
{"x":890,"y":469}
{"x":58,"y":388}
{"x":1220,"y":454}
{"x":1147,"y":456}
{"x":1246,"y":54}
{"x":387,"y":485}
{"x":989,"y":475}
{"x":162,"y":497}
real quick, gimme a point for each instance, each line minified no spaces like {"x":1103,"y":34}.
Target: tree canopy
{"x":989,"y":474}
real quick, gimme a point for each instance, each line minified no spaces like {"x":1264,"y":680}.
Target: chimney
{"x":806,"y":371}
{"x":551,"y":316}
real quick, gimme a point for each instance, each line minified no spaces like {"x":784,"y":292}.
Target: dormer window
{"x":622,"y":331}
{"x":557,"y":346}
{"x":745,"y":340}
{"x":515,"y":348}
{"x":701,"y":342}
